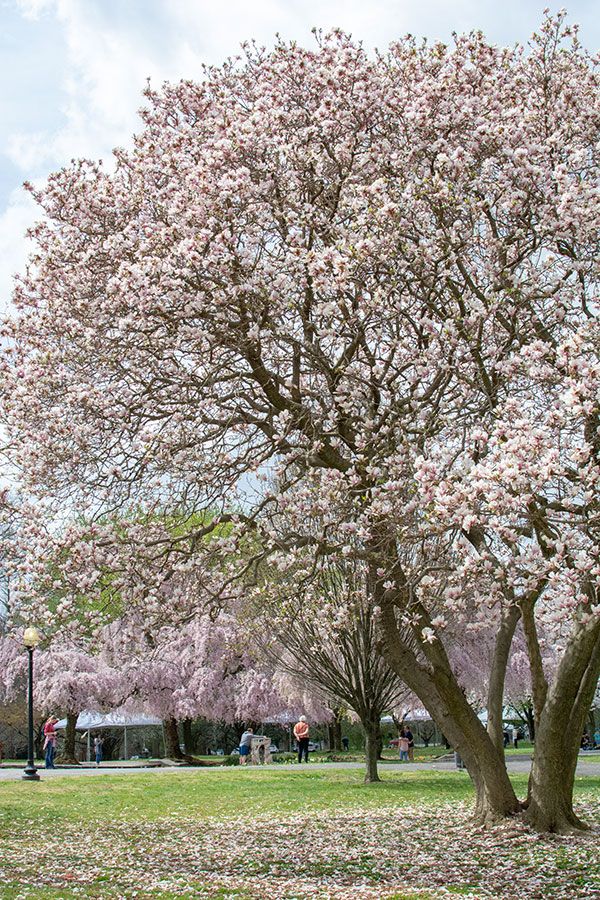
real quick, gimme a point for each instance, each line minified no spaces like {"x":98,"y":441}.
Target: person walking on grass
{"x":301,"y":730}
{"x":50,"y":741}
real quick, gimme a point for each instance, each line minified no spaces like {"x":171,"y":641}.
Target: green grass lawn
{"x":279,"y":835}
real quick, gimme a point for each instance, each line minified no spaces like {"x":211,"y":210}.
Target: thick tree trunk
{"x":188,"y":741}
{"x":372,"y":730}
{"x":172,"y":739}
{"x":437,"y":688}
{"x":68,"y":751}
{"x":550,"y":799}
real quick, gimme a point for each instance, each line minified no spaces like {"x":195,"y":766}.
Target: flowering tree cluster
{"x":362,"y":291}
{"x":204,"y":668}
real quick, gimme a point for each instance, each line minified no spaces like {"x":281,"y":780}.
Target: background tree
{"x":325,"y":635}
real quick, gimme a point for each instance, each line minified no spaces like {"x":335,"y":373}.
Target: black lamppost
{"x":31,"y":639}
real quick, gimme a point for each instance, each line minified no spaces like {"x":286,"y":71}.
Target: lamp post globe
{"x":31,"y":639}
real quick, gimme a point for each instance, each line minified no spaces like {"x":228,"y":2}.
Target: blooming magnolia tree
{"x":369,"y":282}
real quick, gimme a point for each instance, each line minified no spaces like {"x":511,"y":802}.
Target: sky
{"x":72,"y":71}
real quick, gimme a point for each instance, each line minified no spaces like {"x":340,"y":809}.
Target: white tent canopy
{"x":410,"y":715}
{"x":115,"y":719}
{"x":90,"y":721}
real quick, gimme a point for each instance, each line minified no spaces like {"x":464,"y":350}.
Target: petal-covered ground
{"x":368,"y":855}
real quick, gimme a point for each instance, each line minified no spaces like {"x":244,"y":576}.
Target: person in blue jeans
{"x":245,"y":746}
{"x":98,"y":744}
{"x":50,"y":741}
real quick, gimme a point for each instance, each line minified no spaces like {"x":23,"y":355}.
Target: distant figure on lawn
{"x":245,"y":746}
{"x":403,"y":745}
{"x":345,"y":744}
{"x":98,"y":744}
{"x":515,"y":737}
{"x":301,"y":734}
{"x":50,"y":741}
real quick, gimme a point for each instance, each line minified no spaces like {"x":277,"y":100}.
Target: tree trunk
{"x":172,"y":739}
{"x":529,"y":716}
{"x":591,"y":724}
{"x":372,"y":730}
{"x":440,"y":693}
{"x":499,"y":662}
{"x":334,"y":731}
{"x":560,"y":725}
{"x":188,"y":741}
{"x":68,"y":752}
{"x":539,"y":684}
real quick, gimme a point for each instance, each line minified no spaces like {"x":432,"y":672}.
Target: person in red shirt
{"x":301,"y":735}
{"x":50,"y":741}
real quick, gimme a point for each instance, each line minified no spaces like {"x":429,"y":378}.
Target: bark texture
{"x":68,"y":754}
{"x":334,"y":731}
{"x":372,"y":729}
{"x":172,"y":739}
{"x":499,"y":663}
{"x":436,"y":686}
{"x":188,"y":738}
{"x":560,"y":725}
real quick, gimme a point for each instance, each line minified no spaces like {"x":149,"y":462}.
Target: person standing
{"x":50,"y":741}
{"x":403,"y":746}
{"x":98,"y":744}
{"x":515,"y":737}
{"x":245,"y":746}
{"x":301,"y":730}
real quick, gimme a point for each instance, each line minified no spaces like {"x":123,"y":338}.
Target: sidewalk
{"x":520,"y":764}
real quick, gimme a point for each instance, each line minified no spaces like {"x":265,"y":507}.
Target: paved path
{"x":514,"y":764}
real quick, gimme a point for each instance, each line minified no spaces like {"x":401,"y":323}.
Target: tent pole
{"x":89,"y":745}
{"x":125,"y":739}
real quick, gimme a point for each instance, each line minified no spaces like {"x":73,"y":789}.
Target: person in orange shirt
{"x":301,"y":735}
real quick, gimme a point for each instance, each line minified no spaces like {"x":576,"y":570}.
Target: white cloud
{"x":19,"y":214}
